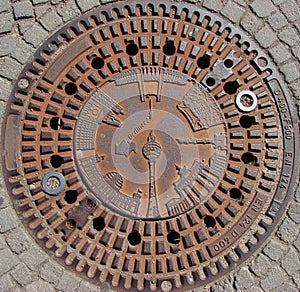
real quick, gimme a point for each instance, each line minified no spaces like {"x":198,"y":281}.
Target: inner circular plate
{"x":150,"y":146}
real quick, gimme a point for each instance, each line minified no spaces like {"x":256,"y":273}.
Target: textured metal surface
{"x":171,"y":136}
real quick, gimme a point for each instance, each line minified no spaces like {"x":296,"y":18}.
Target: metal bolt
{"x":23,"y":83}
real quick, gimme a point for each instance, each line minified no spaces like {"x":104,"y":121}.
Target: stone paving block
{"x":68,"y":10}
{"x":68,"y":282}
{"x":22,"y":275}
{"x":22,"y":52}
{"x":296,"y":52}
{"x":233,"y":11}
{"x":241,"y":2}
{"x":85,"y":5}
{"x":18,"y":241}
{"x":7,"y":283}
{"x":275,"y":278}
{"x":23,"y":9}
{"x":289,"y":287}
{"x":291,"y":262}
{"x":295,"y":88}
{"x":294,"y":212}
{"x":291,"y":9}
{"x":25,"y":24}
{"x":8,"y":219}
{"x":297,"y":195}
{"x":278,"y":2}
{"x":261,"y":265}
{"x":215,"y":5}
{"x":35,"y":35}
{"x":244,"y":279}
{"x":251,"y":23}
{"x":39,"y":1}
{"x":7,"y":261}
{"x":277,"y":21}
{"x":290,"y":71}
{"x":265,"y":37}
{"x":40,"y":286}
{"x":33,"y":258}
{"x":280,"y":53}
{"x":275,"y":249}
{"x":51,"y":273}
{"x":224,"y":284}
{"x":51,"y":20}
{"x":262,"y":8}
{"x":40,"y":10}
{"x":289,"y":36}
{"x":297,"y":243}
{"x":288,"y":231}
{"x":6,"y":22}
{"x":2,"y":242}
{"x":296,"y":279}
{"x":5,"y":5}
{"x":297,"y":24}
{"x":54,"y":2}
{"x":5,"y":88}
{"x":7,"y":44}
{"x":85,"y":286}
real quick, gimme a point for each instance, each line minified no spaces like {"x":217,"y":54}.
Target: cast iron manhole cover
{"x":150,"y":146}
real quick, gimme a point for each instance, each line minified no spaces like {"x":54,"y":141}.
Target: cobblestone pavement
{"x":25,"y":24}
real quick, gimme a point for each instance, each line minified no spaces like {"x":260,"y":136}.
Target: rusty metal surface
{"x":151,"y":146}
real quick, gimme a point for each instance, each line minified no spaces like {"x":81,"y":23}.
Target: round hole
{"x":235,"y":194}
{"x":204,"y":62}
{"x":56,"y":123}
{"x":262,"y":62}
{"x":248,"y":158}
{"x":228,"y":63}
{"x":98,"y":223}
{"x":70,"y":197}
{"x":56,"y":161}
{"x":169,"y":49}
{"x":132,"y":49}
{"x":173,"y":237}
{"x":209,"y":221}
{"x":71,"y":88}
{"x":246,"y":121}
{"x":134,"y":238}
{"x":90,"y":204}
{"x":97,"y":63}
{"x":231,"y":87}
{"x":71,"y":224}
{"x":210,"y":81}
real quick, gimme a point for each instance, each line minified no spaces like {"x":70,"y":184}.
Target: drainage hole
{"x":71,"y":88}
{"x":56,"y":123}
{"x":132,"y":49}
{"x":235,"y":194}
{"x":70,"y":197}
{"x":56,"y":161}
{"x":169,"y":48}
{"x":134,"y":238}
{"x":98,"y":223}
{"x":71,"y":224}
{"x":209,"y":221}
{"x":228,"y":63}
{"x":248,"y":158}
{"x":97,"y":63}
{"x":210,"y":81}
{"x":246,"y":121}
{"x":173,"y":237}
{"x":231,"y":87}
{"x":90,"y":204}
{"x":204,"y":62}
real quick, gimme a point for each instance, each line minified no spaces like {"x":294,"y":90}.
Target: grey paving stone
{"x":294,"y":212}
{"x":291,"y":262}
{"x":23,"y":52}
{"x":40,"y":10}
{"x":297,"y":243}
{"x":6,"y":22}
{"x":296,"y":52}
{"x":277,"y":2}
{"x":297,"y":195}
{"x":225,"y":284}
{"x":7,"y":261}
{"x":51,"y":273}
{"x":291,"y":9}
{"x":244,"y":279}
{"x":265,"y":37}
{"x":289,"y":287}
{"x":54,"y":2}
{"x":289,"y":36}
{"x":107,"y":1}
{"x":68,"y":282}
{"x":251,"y":23}
{"x":39,"y":1}
{"x":5,"y":5}
{"x":233,"y":11}
{"x":23,"y":9}
{"x":2,"y":242}
{"x":288,"y":231}
{"x":262,"y":8}
{"x":85,"y":286}
{"x":275,"y":278}
{"x":25,"y":24}
{"x":241,"y":2}
{"x":18,"y":241}
{"x":85,"y":5}
{"x":8,"y":219}
{"x":7,"y":283}
{"x":215,"y":5}
{"x":275,"y":249}
{"x":40,"y":286}
{"x":22,"y":274}
{"x":51,"y":20}
{"x":33,"y":258}
{"x":35,"y":35}
{"x":295,"y":88}
{"x":290,"y":71}
{"x":7,"y":44}
{"x":296,"y":279}
{"x":68,"y":10}
{"x":277,"y":21}
{"x":261,"y":265}
{"x":297,"y":24}
{"x":280,"y":53}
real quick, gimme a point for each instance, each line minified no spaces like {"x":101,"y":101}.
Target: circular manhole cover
{"x":150,"y":146}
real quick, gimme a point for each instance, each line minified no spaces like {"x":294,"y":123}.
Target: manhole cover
{"x":150,"y":146}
